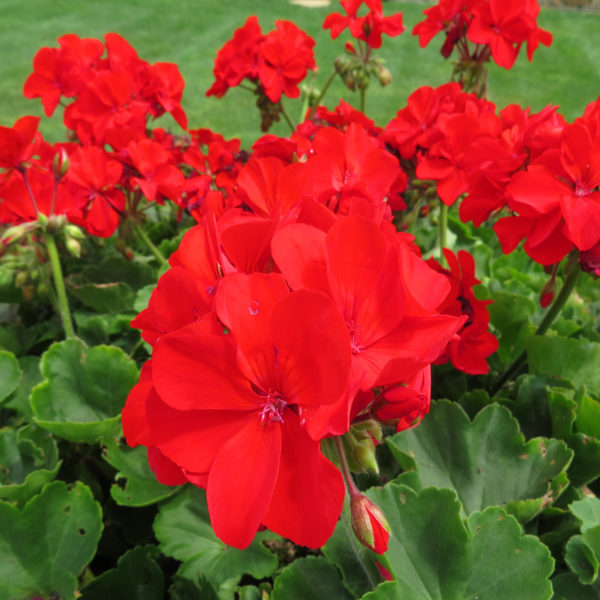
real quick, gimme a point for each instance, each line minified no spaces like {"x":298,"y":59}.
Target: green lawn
{"x":190,"y":32}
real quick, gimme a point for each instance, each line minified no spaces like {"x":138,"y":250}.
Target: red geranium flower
{"x":228,"y":409}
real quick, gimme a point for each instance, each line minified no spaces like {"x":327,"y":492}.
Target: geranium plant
{"x":321,"y":366}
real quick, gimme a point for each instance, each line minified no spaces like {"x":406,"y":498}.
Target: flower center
{"x":272,"y":408}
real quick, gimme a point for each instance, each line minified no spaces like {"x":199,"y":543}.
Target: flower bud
{"x":74,"y":231}
{"x":369,"y":523}
{"x":60,"y":163}
{"x":13,"y":233}
{"x":73,"y":247}
{"x":384,"y":75}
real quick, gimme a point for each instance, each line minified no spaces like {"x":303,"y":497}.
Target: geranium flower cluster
{"x":274,"y":64}
{"x":368,"y":27}
{"x":541,"y":169}
{"x":496,"y":27}
{"x":294,"y":312}
{"x":115,"y":161}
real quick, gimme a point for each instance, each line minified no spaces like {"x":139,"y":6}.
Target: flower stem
{"x":362,"y":95}
{"x":572,"y":274}
{"x":286,"y":117}
{"x":443,"y":230}
{"x":322,"y":94}
{"x":352,"y":489}
{"x":59,"y":283}
{"x":155,"y":251}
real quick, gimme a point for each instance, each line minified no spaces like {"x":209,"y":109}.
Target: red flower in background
{"x":473,"y":343}
{"x":368,"y":28}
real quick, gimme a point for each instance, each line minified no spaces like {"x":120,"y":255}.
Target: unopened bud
{"x":369,"y":523}
{"x":384,"y":75}
{"x":74,"y":231}
{"x":364,"y":456}
{"x":60,"y":164}
{"x":12,"y":234}
{"x":73,"y":247}
{"x":55,"y":223}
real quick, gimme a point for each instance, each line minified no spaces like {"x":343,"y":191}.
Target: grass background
{"x":189,"y":33}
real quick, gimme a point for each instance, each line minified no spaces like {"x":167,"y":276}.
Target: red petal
{"x":307,"y":499}
{"x":245,"y":305}
{"x":241,"y":482}
{"x":196,"y":370}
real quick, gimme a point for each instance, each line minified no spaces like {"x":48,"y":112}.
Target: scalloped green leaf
{"x":486,"y":461}
{"x":310,"y":578}
{"x":574,"y":359}
{"x":31,"y":376}
{"x":581,"y":559}
{"x":587,"y":511}
{"x":84,"y":390}
{"x":435,"y":554}
{"x":137,"y":576}
{"x":10,"y":374}
{"x":136,"y":484}
{"x":563,"y":410}
{"x":183,"y":529}
{"x":28,"y":460}
{"x":588,"y":416}
{"x":568,"y":587}
{"x":47,"y":544}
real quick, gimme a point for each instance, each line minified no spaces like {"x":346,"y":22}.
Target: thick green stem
{"x":323,"y":91}
{"x":59,"y":284}
{"x":155,"y":251}
{"x":443,"y":230}
{"x":572,"y":275}
{"x":362,"y":94}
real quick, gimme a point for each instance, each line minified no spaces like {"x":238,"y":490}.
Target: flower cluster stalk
{"x":59,"y":283}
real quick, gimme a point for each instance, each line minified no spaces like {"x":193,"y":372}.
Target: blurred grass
{"x":189,"y":33}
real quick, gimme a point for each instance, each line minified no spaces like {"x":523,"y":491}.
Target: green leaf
{"x":355,"y":562}
{"x":581,"y":559}
{"x":28,"y":460}
{"x":586,"y":462}
{"x":588,"y":416}
{"x":84,"y":390}
{"x":112,"y":297}
{"x":115,"y":268}
{"x":510,"y":315}
{"x":531,"y":407}
{"x":136,"y":577}
{"x":45,"y":546}
{"x":183,"y":529}
{"x":574,"y":359}
{"x":486,"y":461}
{"x":389,"y":590}
{"x":310,"y":578}
{"x":19,"y":399}
{"x":136,"y":484}
{"x":10,"y":374}
{"x":587,"y":511}
{"x":184,"y":589}
{"x":435,"y":555}
{"x":568,"y":587}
